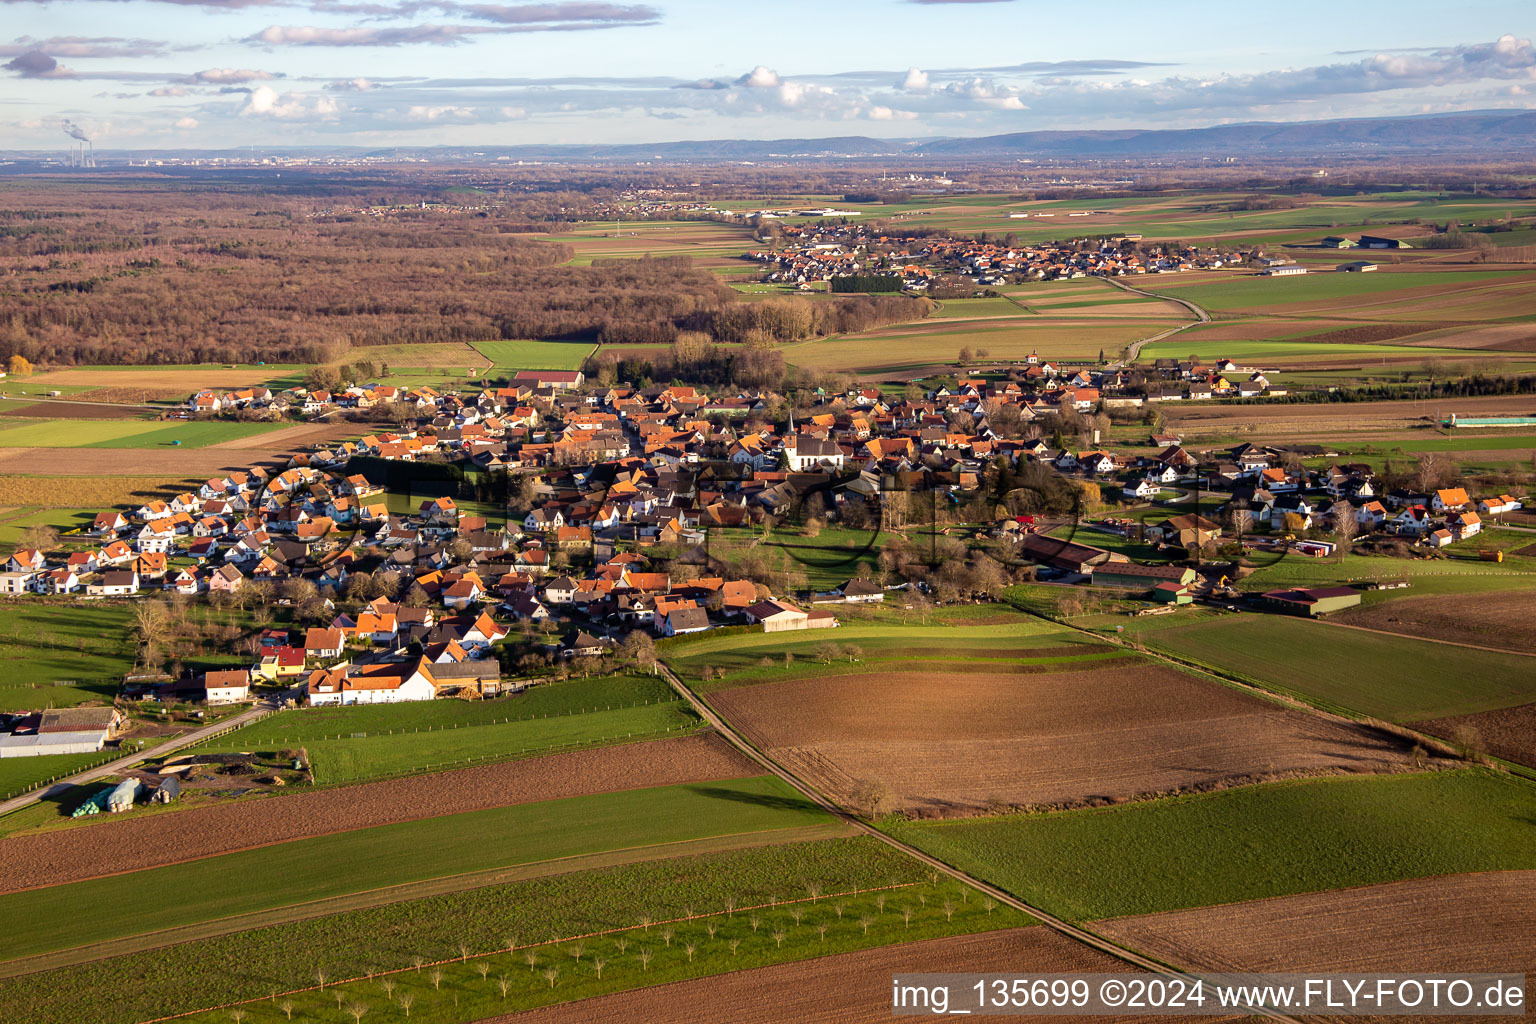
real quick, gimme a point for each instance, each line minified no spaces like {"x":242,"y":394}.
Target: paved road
{"x":128,"y":761}
{"x":1050,"y":920}
{"x":1134,"y":350}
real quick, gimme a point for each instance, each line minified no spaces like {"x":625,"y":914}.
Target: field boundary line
{"x":1051,"y":921}
{"x":539,"y":945}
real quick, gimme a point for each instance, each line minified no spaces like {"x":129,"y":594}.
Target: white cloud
{"x":760,"y":77}
{"x":424,"y":113}
{"x":232,"y":76}
{"x":916,"y":81}
{"x":185,"y":124}
{"x":264,"y":101}
{"x":169,"y":90}
{"x":888,"y":114}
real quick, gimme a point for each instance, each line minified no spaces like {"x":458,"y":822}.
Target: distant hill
{"x":1482,"y":132}
{"x":1493,"y":132}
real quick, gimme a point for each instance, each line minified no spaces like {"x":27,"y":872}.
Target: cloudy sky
{"x":216,"y":73}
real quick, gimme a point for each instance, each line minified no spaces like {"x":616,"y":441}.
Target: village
{"x":610,"y":497}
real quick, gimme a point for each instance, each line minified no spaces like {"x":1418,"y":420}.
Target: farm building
{"x":1314,"y":602}
{"x":1382,"y":242}
{"x":778,"y":616}
{"x":63,"y":731}
{"x":1171,"y":592}
{"x":1142,"y":577}
{"x":1337,"y":242}
{"x":1062,"y":554}
{"x":1289,"y":270}
{"x":1357,"y":267}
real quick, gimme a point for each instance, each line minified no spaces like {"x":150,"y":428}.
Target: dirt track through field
{"x":1462,"y":923}
{"x":946,"y":744}
{"x":849,"y":988}
{"x":116,"y":846}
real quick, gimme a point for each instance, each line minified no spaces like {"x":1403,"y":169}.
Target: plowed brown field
{"x":846,"y":989}
{"x":1499,"y":620}
{"x":171,"y":837}
{"x":946,"y":744}
{"x":1509,"y":733}
{"x":1464,"y":923}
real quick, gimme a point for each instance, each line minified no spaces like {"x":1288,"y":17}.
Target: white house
{"x":227,"y":687}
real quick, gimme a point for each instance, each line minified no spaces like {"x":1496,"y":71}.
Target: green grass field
{"x":372,"y":858}
{"x":535,"y":355}
{"x":127,"y":433}
{"x":14,"y":521}
{"x":249,"y":965}
{"x":985,"y":648}
{"x":348,"y":745}
{"x":19,"y":774}
{"x":1391,"y":677}
{"x":1241,"y":844}
{"x":1182,"y":347}
{"x":50,"y":658}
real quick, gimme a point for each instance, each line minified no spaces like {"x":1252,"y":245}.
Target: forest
{"x":138,"y":273}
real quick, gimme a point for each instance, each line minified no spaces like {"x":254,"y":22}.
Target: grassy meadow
{"x":347,"y":745}
{"x":1249,"y":843}
{"x":1395,"y":678}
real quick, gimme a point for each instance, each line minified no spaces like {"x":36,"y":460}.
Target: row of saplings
{"x":524,"y":972}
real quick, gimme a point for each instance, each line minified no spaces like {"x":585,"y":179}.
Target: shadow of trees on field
{"x":783,"y":803}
